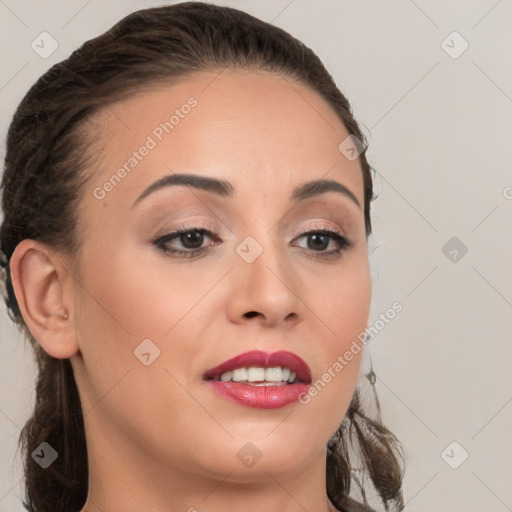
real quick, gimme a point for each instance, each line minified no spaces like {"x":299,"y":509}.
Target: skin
{"x":158,"y":439}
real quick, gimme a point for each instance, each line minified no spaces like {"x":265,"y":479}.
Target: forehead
{"x":253,"y":128}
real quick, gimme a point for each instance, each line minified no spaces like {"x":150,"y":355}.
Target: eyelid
{"x":322,"y":225}
{"x":319,"y":225}
{"x":190,"y":226}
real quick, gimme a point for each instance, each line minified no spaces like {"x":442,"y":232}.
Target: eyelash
{"x":343,"y":242}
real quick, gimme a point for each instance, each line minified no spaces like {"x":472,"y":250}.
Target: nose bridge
{"x":263,"y":281}
{"x":268,"y":261}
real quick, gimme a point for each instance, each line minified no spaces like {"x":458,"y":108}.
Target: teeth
{"x":226,"y":376}
{"x":239,"y":374}
{"x":260,"y":376}
{"x":255,"y":374}
{"x":265,"y":383}
{"x":274,"y":374}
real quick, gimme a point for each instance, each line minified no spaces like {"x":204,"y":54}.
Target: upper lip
{"x":259,"y":359}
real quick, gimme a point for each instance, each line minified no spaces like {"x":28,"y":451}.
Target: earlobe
{"x":38,"y":283}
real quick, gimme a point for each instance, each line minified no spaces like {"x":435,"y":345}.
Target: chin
{"x":259,"y":460}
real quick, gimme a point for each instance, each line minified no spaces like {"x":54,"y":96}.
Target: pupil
{"x":193,"y":237}
{"x":317,"y":237}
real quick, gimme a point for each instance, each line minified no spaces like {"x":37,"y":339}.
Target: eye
{"x":191,"y":238}
{"x":319,"y":239}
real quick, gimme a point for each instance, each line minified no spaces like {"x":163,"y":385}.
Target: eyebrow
{"x":225,"y":189}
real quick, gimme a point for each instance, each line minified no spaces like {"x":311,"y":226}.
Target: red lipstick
{"x":259,"y":393}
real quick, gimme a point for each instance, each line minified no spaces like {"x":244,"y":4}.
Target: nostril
{"x":251,"y":314}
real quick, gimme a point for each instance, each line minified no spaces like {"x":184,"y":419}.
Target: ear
{"x":40,"y":283}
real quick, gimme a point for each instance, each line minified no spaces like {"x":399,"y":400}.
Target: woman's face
{"x":150,"y":322}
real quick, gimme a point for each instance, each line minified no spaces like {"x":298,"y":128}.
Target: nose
{"x":265,"y":291}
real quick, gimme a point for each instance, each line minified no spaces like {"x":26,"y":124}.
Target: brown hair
{"x":46,"y":172}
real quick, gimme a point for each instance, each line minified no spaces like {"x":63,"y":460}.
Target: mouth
{"x":259,"y":379}
{"x":260,"y":368}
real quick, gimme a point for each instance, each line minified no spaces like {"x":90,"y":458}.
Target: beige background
{"x":439,"y":129}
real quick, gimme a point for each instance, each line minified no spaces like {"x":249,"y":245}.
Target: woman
{"x":186,"y":208}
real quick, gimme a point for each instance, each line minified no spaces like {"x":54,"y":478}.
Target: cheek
{"x":129,"y":299}
{"x":119,"y":306}
{"x":343,"y":308}
{"x":344,"y":304}
{"x":122,"y":307}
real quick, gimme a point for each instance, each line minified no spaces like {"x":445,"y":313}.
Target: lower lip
{"x":262,"y":397}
